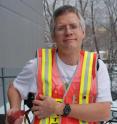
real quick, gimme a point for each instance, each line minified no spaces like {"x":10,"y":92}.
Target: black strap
{"x":26,"y":116}
{"x":97,"y":64}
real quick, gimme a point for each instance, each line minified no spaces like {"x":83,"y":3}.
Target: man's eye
{"x":60,"y":28}
{"x":74,"y":26}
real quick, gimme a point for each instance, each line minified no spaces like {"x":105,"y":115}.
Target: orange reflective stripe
{"x":39,"y":72}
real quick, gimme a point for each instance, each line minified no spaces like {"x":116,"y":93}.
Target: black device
{"x":66,"y":110}
{"x":30,"y":98}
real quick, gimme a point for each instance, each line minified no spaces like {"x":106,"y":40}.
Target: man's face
{"x":68,"y":33}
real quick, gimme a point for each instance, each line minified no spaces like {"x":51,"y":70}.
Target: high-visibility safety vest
{"x":81,"y":90}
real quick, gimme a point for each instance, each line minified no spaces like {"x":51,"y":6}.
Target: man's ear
{"x":53,"y":42}
{"x":84,"y":32}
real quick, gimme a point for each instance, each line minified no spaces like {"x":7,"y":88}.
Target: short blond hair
{"x":62,"y":10}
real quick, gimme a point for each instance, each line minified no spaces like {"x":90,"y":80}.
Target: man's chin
{"x":71,"y":47}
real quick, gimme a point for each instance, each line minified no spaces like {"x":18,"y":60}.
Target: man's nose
{"x":68,"y":30}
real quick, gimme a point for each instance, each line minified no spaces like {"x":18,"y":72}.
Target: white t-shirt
{"x":26,"y":80}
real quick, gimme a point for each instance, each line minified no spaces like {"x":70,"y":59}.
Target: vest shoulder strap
{"x":98,"y":64}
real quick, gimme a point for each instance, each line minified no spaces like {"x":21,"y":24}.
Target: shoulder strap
{"x":98,"y":64}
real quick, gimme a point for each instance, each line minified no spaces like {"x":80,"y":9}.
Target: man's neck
{"x":70,"y":58}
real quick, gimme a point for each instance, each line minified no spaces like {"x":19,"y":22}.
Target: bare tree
{"x":87,"y":11}
{"x":47,"y":16}
{"x":111,"y":6}
{"x":82,"y":5}
{"x":93,"y":26}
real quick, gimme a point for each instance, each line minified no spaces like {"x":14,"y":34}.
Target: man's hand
{"x":44,"y":107}
{"x":15,"y":116}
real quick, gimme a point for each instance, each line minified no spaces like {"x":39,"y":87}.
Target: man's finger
{"x":37,"y":102}
{"x":42,"y":97}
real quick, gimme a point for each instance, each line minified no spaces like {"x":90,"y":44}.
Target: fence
{"x":6,"y":74}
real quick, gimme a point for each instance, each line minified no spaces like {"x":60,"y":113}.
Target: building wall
{"x":21,"y":31}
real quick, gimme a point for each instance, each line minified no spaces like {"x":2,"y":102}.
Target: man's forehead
{"x":63,"y":15}
{"x":69,"y":18}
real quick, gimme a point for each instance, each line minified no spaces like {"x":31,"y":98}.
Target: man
{"x":69,"y":89}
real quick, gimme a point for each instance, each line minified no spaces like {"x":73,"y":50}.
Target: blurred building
{"x":21,"y":31}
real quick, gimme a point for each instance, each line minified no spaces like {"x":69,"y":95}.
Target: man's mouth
{"x":69,"y":40}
